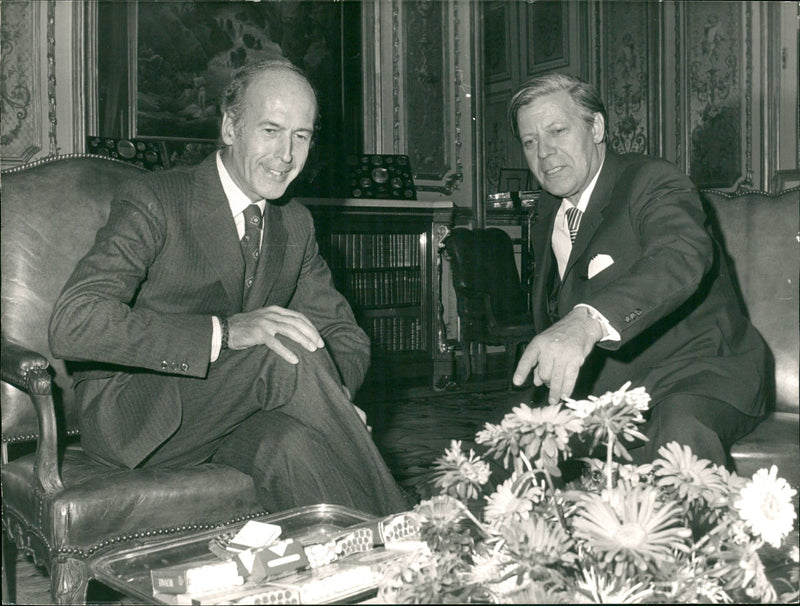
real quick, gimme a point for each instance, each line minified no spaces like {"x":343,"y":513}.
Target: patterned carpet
{"x":411,"y":431}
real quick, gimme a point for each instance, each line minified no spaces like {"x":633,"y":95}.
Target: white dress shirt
{"x":562,"y":247}
{"x":238,"y":201}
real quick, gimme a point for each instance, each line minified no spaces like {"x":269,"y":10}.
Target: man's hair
{"x":232,"y":101}
{"x":582,"y":93}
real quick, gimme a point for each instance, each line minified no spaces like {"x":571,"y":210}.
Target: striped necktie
{"x":251,"y":243}
{"x":573,"y":221}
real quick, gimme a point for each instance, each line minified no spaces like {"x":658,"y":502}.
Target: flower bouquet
{"x":680,"y":529}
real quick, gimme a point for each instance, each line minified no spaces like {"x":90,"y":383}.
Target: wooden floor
{"x":411,"y":432}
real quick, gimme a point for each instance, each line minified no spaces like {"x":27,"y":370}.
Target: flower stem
{"x":609,"y":458}
{"x":480,"y":526}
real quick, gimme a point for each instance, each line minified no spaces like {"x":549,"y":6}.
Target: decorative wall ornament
{"x":628,"y":100}
{"x":433,"y":134}
{"x":19,"y":99}
{"x":714,"y":44}
{"x":396,"y":76}
{"x":51,"y":75}
{"x":427,"y":119}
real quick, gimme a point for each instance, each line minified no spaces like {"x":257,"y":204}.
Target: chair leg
{"x":511,"y":363}
{"x":69,"y":580}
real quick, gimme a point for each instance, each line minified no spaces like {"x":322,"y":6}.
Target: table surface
{"x":128,"y":570}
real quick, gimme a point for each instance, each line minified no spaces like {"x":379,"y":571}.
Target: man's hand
{"x":556,"y":354}
{"x":261,"y":327}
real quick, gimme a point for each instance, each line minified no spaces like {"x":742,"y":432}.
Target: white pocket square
{"x":598,"y":263}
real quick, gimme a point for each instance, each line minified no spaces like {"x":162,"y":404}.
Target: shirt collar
{"x":583,"y":201}
{"x":237,"y":199}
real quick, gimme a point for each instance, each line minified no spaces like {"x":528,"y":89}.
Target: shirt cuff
{"x":216,"y":338}
{"x":609,"y":333}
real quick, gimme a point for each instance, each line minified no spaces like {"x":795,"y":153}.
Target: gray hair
{"x":582,"y":93}
{"x":232,"y":101}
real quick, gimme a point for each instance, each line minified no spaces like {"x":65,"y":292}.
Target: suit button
{"x":638,"y":311}
{"x":174,"y":366}
{"x":184,"y":367}
{"x":164,"y":364}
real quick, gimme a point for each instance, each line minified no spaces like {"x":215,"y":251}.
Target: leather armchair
{"x":759,"y":232}
{"x":58,"y":505}
{"x":490,"y":300}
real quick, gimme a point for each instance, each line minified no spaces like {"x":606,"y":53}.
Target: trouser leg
{"x":312,"y":446}
{"x":707,"y":425}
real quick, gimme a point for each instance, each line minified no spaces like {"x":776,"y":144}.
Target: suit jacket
{"x":667,"y":293}
{"x":167,"y":260}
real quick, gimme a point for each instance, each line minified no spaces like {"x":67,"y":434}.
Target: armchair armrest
{"x":30,"y":372}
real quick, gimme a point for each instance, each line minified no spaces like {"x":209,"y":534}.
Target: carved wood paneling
{"x":20,"y":81}
{"x":628,"y":100}
{"x":719,"y":122}
{"x":426,"y":85}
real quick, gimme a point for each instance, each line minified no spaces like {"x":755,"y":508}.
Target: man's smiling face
{"x":269,"y":144}
{"x":562,"y":149}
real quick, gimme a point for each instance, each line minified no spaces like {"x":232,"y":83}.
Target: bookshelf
{"x":383,"y":256}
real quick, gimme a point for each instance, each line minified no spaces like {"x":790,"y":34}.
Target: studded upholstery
{"x":761,"y":235}
{"x":66,"y":510}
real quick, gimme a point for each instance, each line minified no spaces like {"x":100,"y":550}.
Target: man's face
{"x":269,"y":145}
{"x":562,"y":150}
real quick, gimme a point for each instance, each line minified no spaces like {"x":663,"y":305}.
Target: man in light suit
{"x":206,"y":355}
{"x":629,"y":284}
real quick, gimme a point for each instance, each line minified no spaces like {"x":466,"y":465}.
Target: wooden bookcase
{"x":383,"y":255}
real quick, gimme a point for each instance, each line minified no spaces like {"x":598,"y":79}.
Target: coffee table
{"x":128,"y":570}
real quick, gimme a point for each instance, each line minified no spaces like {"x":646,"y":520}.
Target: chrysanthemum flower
{"x":440,"y":525}
{"x":679,"y":471}
{"x":542,"y":548}
{"x":631,"y":529}
{"x":542,"y":434}
{"x":603,"y":589}
{"x":494,"y":572}
{"x":459,"y":474}
{"x":765,"y":504}
{"x":505,"y":504}
{"x":613,"y":417}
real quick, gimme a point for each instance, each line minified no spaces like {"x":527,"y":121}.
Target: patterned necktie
{"x":573,"y":221}
{"x":251,"y":243}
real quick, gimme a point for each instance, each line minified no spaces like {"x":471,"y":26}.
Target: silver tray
{"x":128,"y":570}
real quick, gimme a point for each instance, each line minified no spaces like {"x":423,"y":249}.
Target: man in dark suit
{"x":629,"y":284}
{"x":219,"y":332}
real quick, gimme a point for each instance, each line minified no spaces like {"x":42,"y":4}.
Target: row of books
{"x":381,"y":288}
{"x":367,"y":251}
{"x":394,"y":334}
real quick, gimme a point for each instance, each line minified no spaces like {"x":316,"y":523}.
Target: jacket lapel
{"x":273,"y":251}
{"x":598,"y":203}
{"x":216,"y":231}
{"x":542,"y":235}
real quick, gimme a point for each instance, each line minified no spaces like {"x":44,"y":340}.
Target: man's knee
{"x":289,"y":439}
{"x":678,"y":420}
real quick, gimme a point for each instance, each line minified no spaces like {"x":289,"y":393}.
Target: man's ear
{"x":228,"y":130}
{"x":598,"y":127}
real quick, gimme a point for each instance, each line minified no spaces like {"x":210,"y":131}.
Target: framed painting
{"x":514,"y":179}
{"x":177,"y":57}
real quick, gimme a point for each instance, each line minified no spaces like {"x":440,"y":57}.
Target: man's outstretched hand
{"x":261,"y":327}
{"x":557,"y":354}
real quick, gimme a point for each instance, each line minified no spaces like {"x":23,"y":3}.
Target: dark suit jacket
{"x":667,"y":293}
{"x":167,"y":260}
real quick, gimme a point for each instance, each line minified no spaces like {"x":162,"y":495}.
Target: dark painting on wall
{"x":182,"y":53}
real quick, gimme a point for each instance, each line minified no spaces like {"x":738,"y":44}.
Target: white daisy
{"x":765,"y":504}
